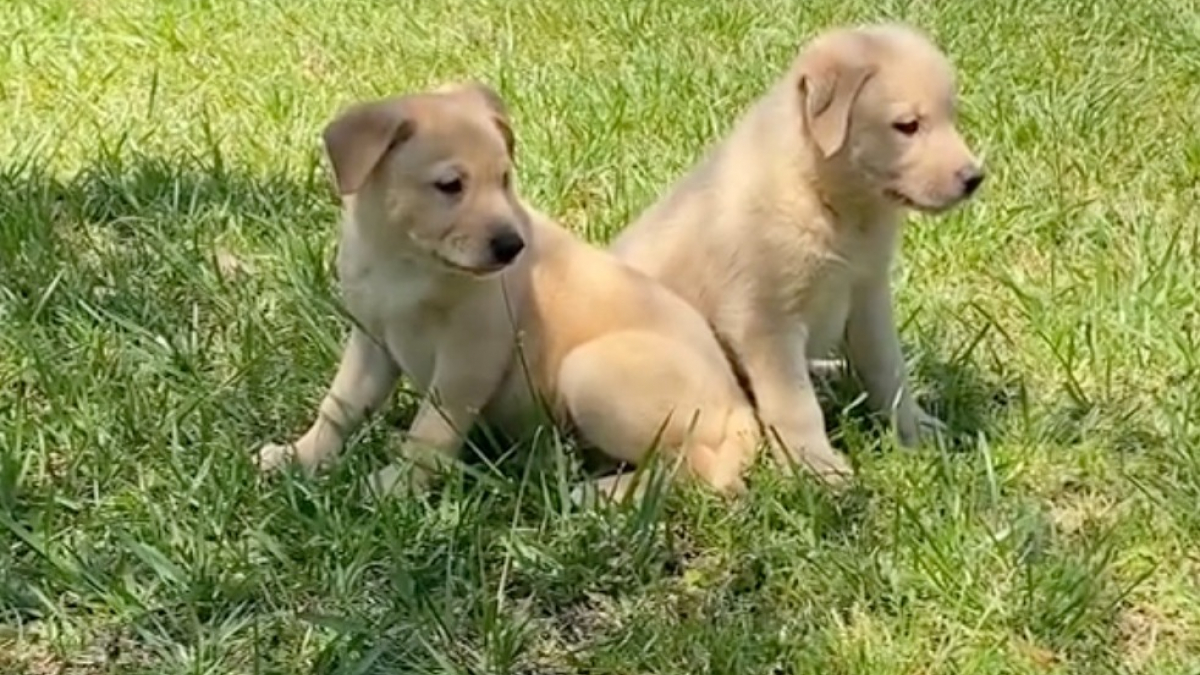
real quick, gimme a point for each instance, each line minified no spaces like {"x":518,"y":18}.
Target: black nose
{"x":972,"y":178}
{"x":505,"y":244}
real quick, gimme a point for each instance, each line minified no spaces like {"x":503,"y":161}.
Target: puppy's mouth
{"x":478,"y":272}
{"x":910,"y":203}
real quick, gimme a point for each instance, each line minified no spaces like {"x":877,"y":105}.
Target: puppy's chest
{"x":826,"y":301}
{"x":404,"y":314}
{"x":826,"y":308}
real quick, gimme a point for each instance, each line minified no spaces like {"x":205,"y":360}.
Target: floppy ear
{"x":358,"y":138}
{"x":495,"y":105}
{"x":828,"y":88}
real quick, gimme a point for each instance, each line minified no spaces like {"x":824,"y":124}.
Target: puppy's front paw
{"x":398,"y":479}
{"x":814,"y":453}
{"x":930,"y":427}
{"x":620,"y":488}
{"x":918,"y":427}
{"x":274,"y":456}
{"x":832,"y":470}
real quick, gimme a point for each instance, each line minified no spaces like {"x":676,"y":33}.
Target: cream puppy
{"x":490,"y":309}
{"x":784,"y":235}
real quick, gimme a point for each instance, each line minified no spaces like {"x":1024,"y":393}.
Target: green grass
{"x":167,"y":304}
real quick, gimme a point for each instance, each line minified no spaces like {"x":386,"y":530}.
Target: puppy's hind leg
{"x":629,"y":391}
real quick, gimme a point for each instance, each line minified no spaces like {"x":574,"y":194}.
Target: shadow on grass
{"x":112,"y":309}
{"x":116,"y":185}
{"x":123,"y":214}
{"x":954,"y":390}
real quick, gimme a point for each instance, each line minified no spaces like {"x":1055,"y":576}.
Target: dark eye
{"x":449,"y":186}
{"x":907,"y":127}
{"x":507,"y":178}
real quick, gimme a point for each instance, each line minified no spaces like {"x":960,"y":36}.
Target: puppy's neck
{"x":842,"y":189}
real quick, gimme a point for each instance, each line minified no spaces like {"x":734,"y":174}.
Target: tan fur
{"x":427,"y":188}
{"x":783,"y":237}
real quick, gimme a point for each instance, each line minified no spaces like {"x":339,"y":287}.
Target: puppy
{"x":491,"y":309}
{"x":784,"y":235}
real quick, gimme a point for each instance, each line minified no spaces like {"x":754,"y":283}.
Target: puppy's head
{"x":879,"y":105}
{"x":430,"y":175}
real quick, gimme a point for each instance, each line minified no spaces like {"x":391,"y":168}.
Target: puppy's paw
{"x":834,"y":471}
{"x":919,"y":427}
{"x":930,"y":427}
{"x":398,"y":480}
{"x":274,"y":456}
{"x":614,"y":490}
{"x":930,"y":423}
{"x":586,"y":496}
{"x":817,"y":456}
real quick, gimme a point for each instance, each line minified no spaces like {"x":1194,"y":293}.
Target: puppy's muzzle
{"x":505,"y":244}
{"x":970,"y":177}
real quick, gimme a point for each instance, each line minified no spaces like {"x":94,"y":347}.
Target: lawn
{"x":167,"y":304}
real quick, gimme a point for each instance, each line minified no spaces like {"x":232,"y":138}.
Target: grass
{"x":167,"y":304}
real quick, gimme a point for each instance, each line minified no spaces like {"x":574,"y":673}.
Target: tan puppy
{"x":783,"y":237}
{"x":488,"y":306}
